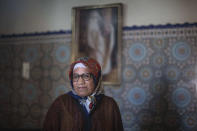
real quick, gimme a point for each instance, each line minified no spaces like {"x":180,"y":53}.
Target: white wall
{"x":27,"y":16}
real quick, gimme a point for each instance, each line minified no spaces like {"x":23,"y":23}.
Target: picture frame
{"x":97,"y":33}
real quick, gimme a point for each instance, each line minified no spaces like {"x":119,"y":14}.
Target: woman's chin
{"x":82,"y":93}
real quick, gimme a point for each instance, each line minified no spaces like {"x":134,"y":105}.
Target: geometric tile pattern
{"x":157,"y":92}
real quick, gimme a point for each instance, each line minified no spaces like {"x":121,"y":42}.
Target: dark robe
{"x":66,"y":114}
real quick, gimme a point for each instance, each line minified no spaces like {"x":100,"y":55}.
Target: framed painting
{"x":97,"y":33}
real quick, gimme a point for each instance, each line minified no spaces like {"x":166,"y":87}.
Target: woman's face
{"x":83,"y":87}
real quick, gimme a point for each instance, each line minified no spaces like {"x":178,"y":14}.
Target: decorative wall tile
{"x":158,"y":89}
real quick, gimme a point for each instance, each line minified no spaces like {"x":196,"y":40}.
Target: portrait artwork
{"x":96,"y":33}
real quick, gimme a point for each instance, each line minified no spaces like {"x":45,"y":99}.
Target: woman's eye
{"x":75,"y":76}
{"x":86,"y":76}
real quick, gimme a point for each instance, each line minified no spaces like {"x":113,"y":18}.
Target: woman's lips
{"x":83,"y":87}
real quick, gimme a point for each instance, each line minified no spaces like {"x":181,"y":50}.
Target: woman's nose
{"x":81,"y":80}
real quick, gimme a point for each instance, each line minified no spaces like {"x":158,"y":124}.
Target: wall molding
{"x":125,"y":28}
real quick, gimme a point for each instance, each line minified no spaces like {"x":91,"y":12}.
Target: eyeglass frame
{"x":82,"y":77}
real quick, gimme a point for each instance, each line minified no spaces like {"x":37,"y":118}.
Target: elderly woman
{"x":85,"y":108}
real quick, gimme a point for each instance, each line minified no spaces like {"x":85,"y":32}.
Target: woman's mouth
{"x":82,"y":87}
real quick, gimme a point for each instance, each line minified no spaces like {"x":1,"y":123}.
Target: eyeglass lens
{"x":85,"y":76}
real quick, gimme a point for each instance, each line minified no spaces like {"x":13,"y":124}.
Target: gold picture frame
{"x":97,"y":33}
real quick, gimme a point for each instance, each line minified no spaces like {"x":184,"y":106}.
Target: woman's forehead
{"x":81,"y":70}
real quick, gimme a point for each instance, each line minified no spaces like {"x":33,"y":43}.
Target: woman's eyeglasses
{"x":85,"y":76}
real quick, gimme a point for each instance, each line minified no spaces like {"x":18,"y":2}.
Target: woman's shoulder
{"x":108,"y":99}
{"x":109,"y":102}
{"x":63,"y":97}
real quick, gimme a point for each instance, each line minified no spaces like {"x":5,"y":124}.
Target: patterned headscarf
{"x":95,"y":69}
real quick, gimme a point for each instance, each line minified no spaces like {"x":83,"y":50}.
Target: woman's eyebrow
{"x":81,"y":73}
